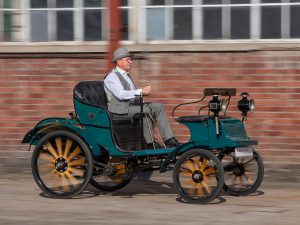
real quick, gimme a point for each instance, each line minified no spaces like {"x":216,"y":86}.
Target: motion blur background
{"x":180,"y":46}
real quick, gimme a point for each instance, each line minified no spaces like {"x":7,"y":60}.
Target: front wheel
{"x":198,"y":176}
{"x":62,"y":164}
{"x":242,"y":176}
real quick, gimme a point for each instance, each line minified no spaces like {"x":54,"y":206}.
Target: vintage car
{"x":93,"y":146}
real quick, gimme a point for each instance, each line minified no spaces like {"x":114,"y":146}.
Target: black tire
{"x":242,"y":176}
{"x":62,"y":164}
{"x":198,"y":176}
{"x":108,"y":184}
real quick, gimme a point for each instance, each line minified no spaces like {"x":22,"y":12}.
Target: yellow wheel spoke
{"x":196,"y":163}
{"x":199,"y":190}
{"x":46,"y":167}
{"x":64,"y":181}
{"x":190,"y":191}
{"x":204,"y":163}
{"x":206,"y":187}
{"x":50,"y":174}
{"x":59,"y":146}
{"x":210,"y":177}
{"x":77,"y":162}
{"x":210,"y":170}
{"x":47,"y":157}
{"x":76,"y":172}
{"x":185,"y":172}
{"x":188,"y":165}
{"x":55,"y":182}
{"x":71,"y":178}
{"x":187,"y":182}
{"x":51,"y":150}
{"x":67,"y":148}
{"x":76,"y":151}
{"x":195,"y":185}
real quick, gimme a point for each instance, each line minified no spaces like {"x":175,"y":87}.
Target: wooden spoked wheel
{"x":198,"y":176}
{"x":242,"y":176}
{"x":122,"y":177}
{"x":62,"y":164}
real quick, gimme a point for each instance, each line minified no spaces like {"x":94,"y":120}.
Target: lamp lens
{"x":251,"y":105}
{"x":223,"y":106}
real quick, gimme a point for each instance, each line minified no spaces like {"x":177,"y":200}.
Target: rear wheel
{"x":198,"y":176}
{"x":108,"y":183}
{"x":242,"y":176}
{"x":62,"y":164}
{"x":121,"y":177}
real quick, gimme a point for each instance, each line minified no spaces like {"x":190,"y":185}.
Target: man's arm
{"x":114,"y":85}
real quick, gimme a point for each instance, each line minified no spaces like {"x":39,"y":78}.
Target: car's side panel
{"x":232,"y":133}
{"x":53,"y":124}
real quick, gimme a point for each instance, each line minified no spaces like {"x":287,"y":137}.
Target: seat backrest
{"x":91,"y":93}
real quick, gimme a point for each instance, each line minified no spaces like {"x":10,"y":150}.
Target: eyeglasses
{"x":127,"y":59}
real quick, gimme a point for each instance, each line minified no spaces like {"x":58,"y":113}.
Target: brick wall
{"x":33,"y":88}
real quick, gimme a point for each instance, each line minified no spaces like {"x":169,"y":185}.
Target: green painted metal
{"x":53,"y":124}
{"x":96,"y":123}
{"x":95,"y":129}
{"x":150,"y":152}
{"x":232,"y":134}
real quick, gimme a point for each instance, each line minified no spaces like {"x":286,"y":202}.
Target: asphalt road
{"x":145,"y":201}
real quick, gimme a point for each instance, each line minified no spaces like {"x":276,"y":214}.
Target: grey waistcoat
{"x":114,"y":104}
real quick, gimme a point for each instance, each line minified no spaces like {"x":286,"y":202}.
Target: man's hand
{"x":146,"y":90}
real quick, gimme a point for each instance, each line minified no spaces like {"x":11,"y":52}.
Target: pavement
{"x":148,"y":199}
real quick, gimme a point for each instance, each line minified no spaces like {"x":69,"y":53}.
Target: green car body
{"x":95,"y":129}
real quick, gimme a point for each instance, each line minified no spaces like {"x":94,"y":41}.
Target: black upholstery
{"x":91,"y":93}
{"x":192,"y":118}
{"x":127,"y":132}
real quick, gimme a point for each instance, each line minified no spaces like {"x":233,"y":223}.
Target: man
{"x":121,"y":93}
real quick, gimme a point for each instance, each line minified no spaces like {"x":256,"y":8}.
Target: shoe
{"x":171,"y":142}
{"x":156,"y":144}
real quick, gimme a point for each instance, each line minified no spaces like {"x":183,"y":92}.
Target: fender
{"x":53,"y":124}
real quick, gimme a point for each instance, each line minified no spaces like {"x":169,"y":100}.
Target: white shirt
{"x":114,"y":85}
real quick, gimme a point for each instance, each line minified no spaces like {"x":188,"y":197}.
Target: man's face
{"x":124,"y":63}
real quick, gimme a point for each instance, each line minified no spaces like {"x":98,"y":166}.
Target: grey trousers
{"x":158,"y":110}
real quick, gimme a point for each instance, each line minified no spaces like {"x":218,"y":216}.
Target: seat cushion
{"x":91,"y":93}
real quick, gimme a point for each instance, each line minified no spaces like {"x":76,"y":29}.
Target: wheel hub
{"x":197,"y":176}
{"x":238,"y":170}
{"x":61,"y":165}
